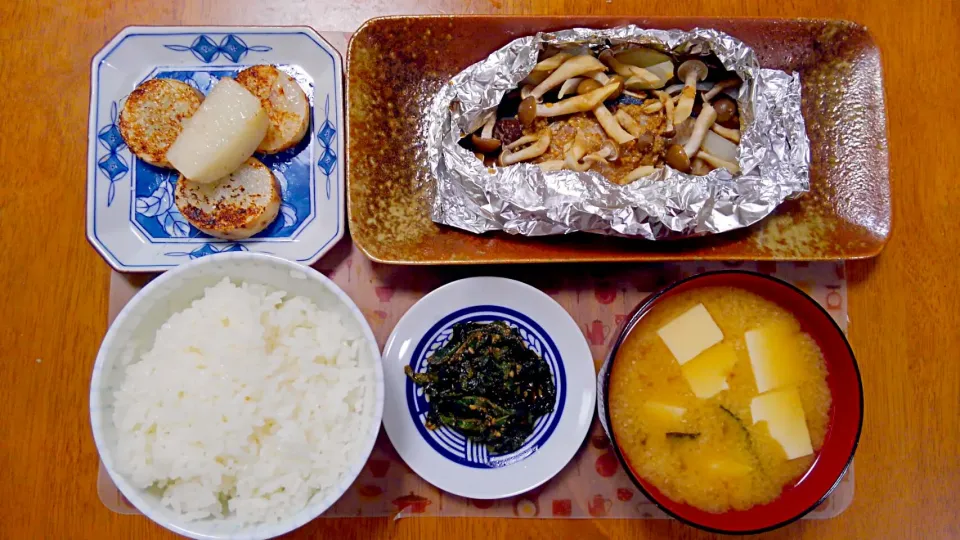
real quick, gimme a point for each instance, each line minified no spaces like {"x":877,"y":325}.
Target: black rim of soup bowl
{"x":642,"y":309}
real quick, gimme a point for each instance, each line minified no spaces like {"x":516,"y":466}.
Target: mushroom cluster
{"x":624,"y":113}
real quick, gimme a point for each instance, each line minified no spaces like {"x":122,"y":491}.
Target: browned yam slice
{"x":235,"y":207}
{"x":285,"y":103}
{"x":153,"y":115}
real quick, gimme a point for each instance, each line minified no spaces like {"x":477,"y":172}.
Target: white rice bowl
{"x":238,"y":395}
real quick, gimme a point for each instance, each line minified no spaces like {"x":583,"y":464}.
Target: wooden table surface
{"x":904,"y":305}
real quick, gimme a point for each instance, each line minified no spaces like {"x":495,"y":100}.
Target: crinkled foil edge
{"x":774,"y":152}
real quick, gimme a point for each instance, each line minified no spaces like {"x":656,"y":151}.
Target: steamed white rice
{"x":247,"y":405}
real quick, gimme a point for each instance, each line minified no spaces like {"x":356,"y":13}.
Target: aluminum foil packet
{"x":774,"y":152}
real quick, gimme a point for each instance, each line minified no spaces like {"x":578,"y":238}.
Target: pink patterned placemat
{"x":599,"y":297}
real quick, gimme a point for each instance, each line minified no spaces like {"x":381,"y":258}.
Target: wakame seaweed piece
{"x":487,"y":384}
{"x":737,"y":419}
{"x":746,"y":434}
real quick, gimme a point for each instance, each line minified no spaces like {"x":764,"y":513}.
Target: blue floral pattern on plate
{"x":131,"y":210}
{"x":208,"y":249}
{"x":325,"y":136}
{"x":230,"y":46}
{"x":159,"y":220}
{"x":160,"y":206}
{"x":114,"y":164}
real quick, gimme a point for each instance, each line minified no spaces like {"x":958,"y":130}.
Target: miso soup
{"x":719,"y":399}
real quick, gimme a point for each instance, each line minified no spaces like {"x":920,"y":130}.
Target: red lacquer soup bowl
{"x":845,"y":416}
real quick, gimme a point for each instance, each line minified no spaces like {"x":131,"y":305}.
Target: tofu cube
{"x":782,"y":410}
{"x":774,"y":358}
{"x":690,"y":334}
{"x":707,"y":373}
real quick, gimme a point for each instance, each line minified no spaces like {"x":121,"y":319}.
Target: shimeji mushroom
{"x":652,"y":107}
{"x":604,"y":116}
{"x":628,"y":122}
{"x":569,"y":86}
{"x":638,"y":173}
{"x":663,"y":72}
{"x":610,"y":125}
{"x":690,"y":72}
{"x":573,"y":67}
{"x":541,"y":142}
{"x":726,"y":112}
{"x":526,"y":139}
{"x":701,"y":142}
{"x":527,"y":111}
{"x":598,"y":76}
{"x":485,"y":141}
{"x":676,"y":88}
{"x":607,"y":152}
{"x":732,"y":135}
{"x":581,"y":103}
{"x":551,"y":165}
{"x":669,"y":111}
{"x":718,"y":163}
{"x":632,"y":73}
{"x":535,"y":78}
{"x":542,"y":70}
{"x":576,"y":151}
{"x":589,"y":85}
{"x":721,"y":86}
{"x":699,"y":167}
{"x":701,"y":127}
{"x":677,"y":158}
{"x":552,"y":63}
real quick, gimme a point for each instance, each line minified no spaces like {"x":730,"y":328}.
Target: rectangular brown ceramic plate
{"x":395,"y":65}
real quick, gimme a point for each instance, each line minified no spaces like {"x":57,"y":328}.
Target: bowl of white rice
{"x":236,"y":396}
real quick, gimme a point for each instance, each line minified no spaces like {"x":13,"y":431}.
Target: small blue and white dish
{"x":131,"y":216}
{"x":443,"y":456}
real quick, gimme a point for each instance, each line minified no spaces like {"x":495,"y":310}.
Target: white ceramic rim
{"x":313,"y":509}
{"x":579,"y":409}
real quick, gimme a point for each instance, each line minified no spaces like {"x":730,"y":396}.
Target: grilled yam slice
{"x":285,"y":103}
{"x":152,"y":117}
{"x":235,"y":207}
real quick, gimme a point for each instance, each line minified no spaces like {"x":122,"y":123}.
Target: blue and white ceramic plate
{"x":131,"y":217}
{"x":444,"y":457}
